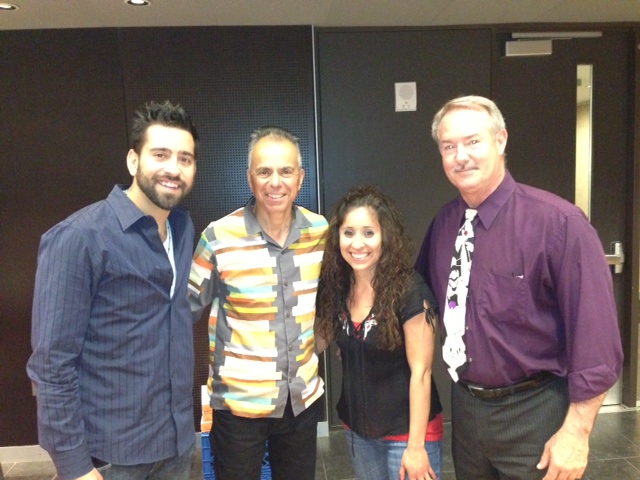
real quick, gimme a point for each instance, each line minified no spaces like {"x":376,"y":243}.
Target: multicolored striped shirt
{"x":262,"y":300}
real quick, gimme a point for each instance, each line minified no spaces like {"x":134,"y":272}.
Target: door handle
{"x":616,"y":258}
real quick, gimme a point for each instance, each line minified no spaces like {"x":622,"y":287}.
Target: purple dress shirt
{"x":540,"y":292}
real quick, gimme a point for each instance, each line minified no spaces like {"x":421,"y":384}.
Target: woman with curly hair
{"x":381,"y":315}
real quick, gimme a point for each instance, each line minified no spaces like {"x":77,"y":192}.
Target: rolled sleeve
{"x":585,"y":294}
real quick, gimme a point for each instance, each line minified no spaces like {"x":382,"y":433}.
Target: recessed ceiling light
{"x":8,"y":6}
{"x":138,"y":3}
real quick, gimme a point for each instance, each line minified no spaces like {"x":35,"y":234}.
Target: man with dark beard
{"x":112,"y":331}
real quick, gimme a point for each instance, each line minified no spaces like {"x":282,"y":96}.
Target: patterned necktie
{"x":453,"y":350}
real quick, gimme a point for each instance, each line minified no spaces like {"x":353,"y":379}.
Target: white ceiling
{"x":37,"y":14}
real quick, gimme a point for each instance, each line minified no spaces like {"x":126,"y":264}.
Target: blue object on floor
{"x":207,"y":460}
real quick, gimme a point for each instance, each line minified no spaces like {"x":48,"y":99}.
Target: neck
{"x":277,"y":226}
{"x":362,"y":294}
{"x":361,"y":286}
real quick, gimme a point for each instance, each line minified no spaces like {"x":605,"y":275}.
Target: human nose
{"x":275,"y":179}
{"x":461,"y":153}
{"x":357,"y":241}
{"x":172,"y":165}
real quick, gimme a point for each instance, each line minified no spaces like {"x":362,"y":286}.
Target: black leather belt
{"x":490,"y":393}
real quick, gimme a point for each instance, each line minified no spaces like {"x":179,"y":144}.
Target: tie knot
{"x":470,"y":213}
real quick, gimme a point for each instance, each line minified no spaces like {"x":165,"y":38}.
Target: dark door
{"x":537,"y":96}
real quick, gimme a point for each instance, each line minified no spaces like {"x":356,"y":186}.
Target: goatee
{"x":165,"y":201}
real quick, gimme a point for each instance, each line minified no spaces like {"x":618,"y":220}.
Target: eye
{"x":263,"y":173}
{"x":187,"y":161}
{"x":287,"y":172}
{"x":369,"y":233}
{"x":347,"y":233}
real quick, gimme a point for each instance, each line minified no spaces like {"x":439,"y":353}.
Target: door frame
{"x":630,"y":369}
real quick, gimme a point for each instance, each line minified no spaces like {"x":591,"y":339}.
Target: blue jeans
{"x":379,"y":459}
{"x":174,"y":468}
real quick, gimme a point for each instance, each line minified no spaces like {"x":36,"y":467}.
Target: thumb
{"x":544,"y":460}
{"x":403,"y":473}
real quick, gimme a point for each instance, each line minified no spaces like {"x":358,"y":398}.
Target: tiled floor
{"x":615,"y":454}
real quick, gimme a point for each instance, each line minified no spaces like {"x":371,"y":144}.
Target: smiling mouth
{"x":170,"y":184}
{"x":359,"y":256}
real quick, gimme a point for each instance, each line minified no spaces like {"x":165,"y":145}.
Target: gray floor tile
{"x":31,"y":471}
{"x":617,"y":469}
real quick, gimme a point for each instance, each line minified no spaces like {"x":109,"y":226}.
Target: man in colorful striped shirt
{"x":258,"y":267}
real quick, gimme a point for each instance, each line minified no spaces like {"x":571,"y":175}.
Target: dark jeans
{"x":174,"y":468}
{"x":238,"y":445}
{"x":504,"y":438}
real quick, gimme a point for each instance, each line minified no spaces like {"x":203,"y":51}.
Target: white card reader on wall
{"x":406,"y":97}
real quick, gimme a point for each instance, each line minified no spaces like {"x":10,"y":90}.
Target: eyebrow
{"x":468,"y":137}
{"x":168,"y":150}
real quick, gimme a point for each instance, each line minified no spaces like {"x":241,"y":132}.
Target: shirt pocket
{"x":504,"y":297}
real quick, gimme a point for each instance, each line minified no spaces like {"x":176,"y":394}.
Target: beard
{"x":166,"y":201}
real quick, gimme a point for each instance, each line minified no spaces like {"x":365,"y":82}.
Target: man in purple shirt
{"x":540,"y":340}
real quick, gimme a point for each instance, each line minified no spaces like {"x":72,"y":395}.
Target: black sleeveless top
{"x":374,"y":401}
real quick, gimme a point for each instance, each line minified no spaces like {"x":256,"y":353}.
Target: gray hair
{"x":470,"y":102}
{"x":276,"y":133}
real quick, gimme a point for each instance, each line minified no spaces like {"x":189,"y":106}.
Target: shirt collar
{"x":489,"y":209}
{"x":253,"y":227}
{"x":125,"y":209}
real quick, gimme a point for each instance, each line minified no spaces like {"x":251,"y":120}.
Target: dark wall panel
{"x":64,"y":142}
{"x":231,"y":80}
{"x":363,"y":139}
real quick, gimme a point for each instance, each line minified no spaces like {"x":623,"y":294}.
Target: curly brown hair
{"x":393,"y":272}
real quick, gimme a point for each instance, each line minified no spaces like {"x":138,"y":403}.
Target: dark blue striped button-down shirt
{"x":112,"y":351}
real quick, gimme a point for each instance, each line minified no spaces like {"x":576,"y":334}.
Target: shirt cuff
{"x":72,"y":464}
{"x":589,"y":383}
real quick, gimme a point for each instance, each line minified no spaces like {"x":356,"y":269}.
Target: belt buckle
{"x":472,"y":389}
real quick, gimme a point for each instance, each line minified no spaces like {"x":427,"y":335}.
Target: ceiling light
{"x":8,"y":6}
{"x":138,"y":3}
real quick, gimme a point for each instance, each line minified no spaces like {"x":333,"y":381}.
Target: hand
{"x":415,"y":465}
{"x":566,"y":454}
{"x":92,"y":475}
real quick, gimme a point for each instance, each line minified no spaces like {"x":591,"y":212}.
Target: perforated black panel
{"x":231,"y":80}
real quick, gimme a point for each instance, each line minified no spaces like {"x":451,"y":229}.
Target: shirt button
{"x":288,"y":314}
{"x":286,"y":283}
{"x":470,"y":359}
{"x":290,"y":348}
